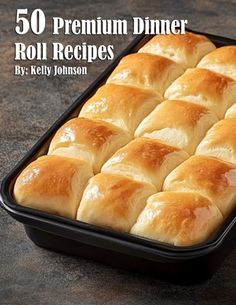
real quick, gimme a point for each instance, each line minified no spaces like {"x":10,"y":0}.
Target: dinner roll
{"x":209,"y":89}
{"x":185,"y":49}
{"x":220,"y":141}
{"x":145,"y":160}
{"x":221,"y":60}
{"x":90,"y":140}
{"x":180,"y":219}
{"x":113,"y":201}
{"x":53,"y":184}
{"x":146,"y":71}
{"x":177,"y":123}
{"x":120,"y":105}
{"x":231,"y":112}
{"x":210,"y":177}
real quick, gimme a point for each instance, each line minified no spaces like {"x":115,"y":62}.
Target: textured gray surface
{"x":29,"y":105}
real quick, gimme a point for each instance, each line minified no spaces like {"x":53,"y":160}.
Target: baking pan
{"x":184,"y":265}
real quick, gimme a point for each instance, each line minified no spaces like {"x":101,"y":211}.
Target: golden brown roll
{"x":180,"y":219}
{"x":210,"y":177}
{"x":220,"y":141}
{"x":203,"y":87}
{"x":113,"y":201}
{"x":231,"y":112}
{"x":122,"y":106}
{"x":53,"y":184}
{"x":185,"y":49}
{"x":90,"y":140}
{"x":221,"y":60}
{"x":146,"y":71}
{"x":178,"y":123}
{"x":145,"y":160}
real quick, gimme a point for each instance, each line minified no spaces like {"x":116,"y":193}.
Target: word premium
{"x":101,"y":26}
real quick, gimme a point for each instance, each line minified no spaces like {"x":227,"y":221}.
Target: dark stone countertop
{"x":29,"y":105}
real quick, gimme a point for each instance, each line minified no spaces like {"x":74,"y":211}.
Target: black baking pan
{"x":184,"y":265}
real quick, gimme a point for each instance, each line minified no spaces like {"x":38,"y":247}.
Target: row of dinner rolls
{"x":210,"y":180}
{"x":116,"y":197}
{"x":132,"y":169}
{"x":201,"y":192}
{"x":197,"y":215}
{"x":186,"y":50}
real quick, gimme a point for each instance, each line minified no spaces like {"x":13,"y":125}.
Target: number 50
{"x":36,"y":24}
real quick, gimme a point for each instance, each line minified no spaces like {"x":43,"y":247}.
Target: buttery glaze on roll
{"x":203,"y":87}
{"x":120,"y":105}
{"x":220,"y":141}
{"x":231,"y":112}
{"x":145,"y":160}
{"x":185,"y":49}
{"x":90,"y":140}
{"x":177,"y":123}
{"x":53,"y":184}
{"x":210,"y":177}
{"x":178,"y":218}
{"x":221,"y":60}
{"x":146,"y":71}
{"x":113,"y":201}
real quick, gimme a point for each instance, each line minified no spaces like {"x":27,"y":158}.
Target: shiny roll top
{"x":220,"y":141}
{"x":177,"y":123}
{"x":203,"y":87}
{"x":146,"y":71}
{"x":145,"y":160}
{"x":222,"y":60}
{"x":180,"y":219}
{"x":122,"y":106}
{"x":186,"y":49}
{"x":197,"y":193}
{"x":53,"y":184}
{"x":210,"y":177}
{"x":90,"y":140}
{"x":113,"y":201}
